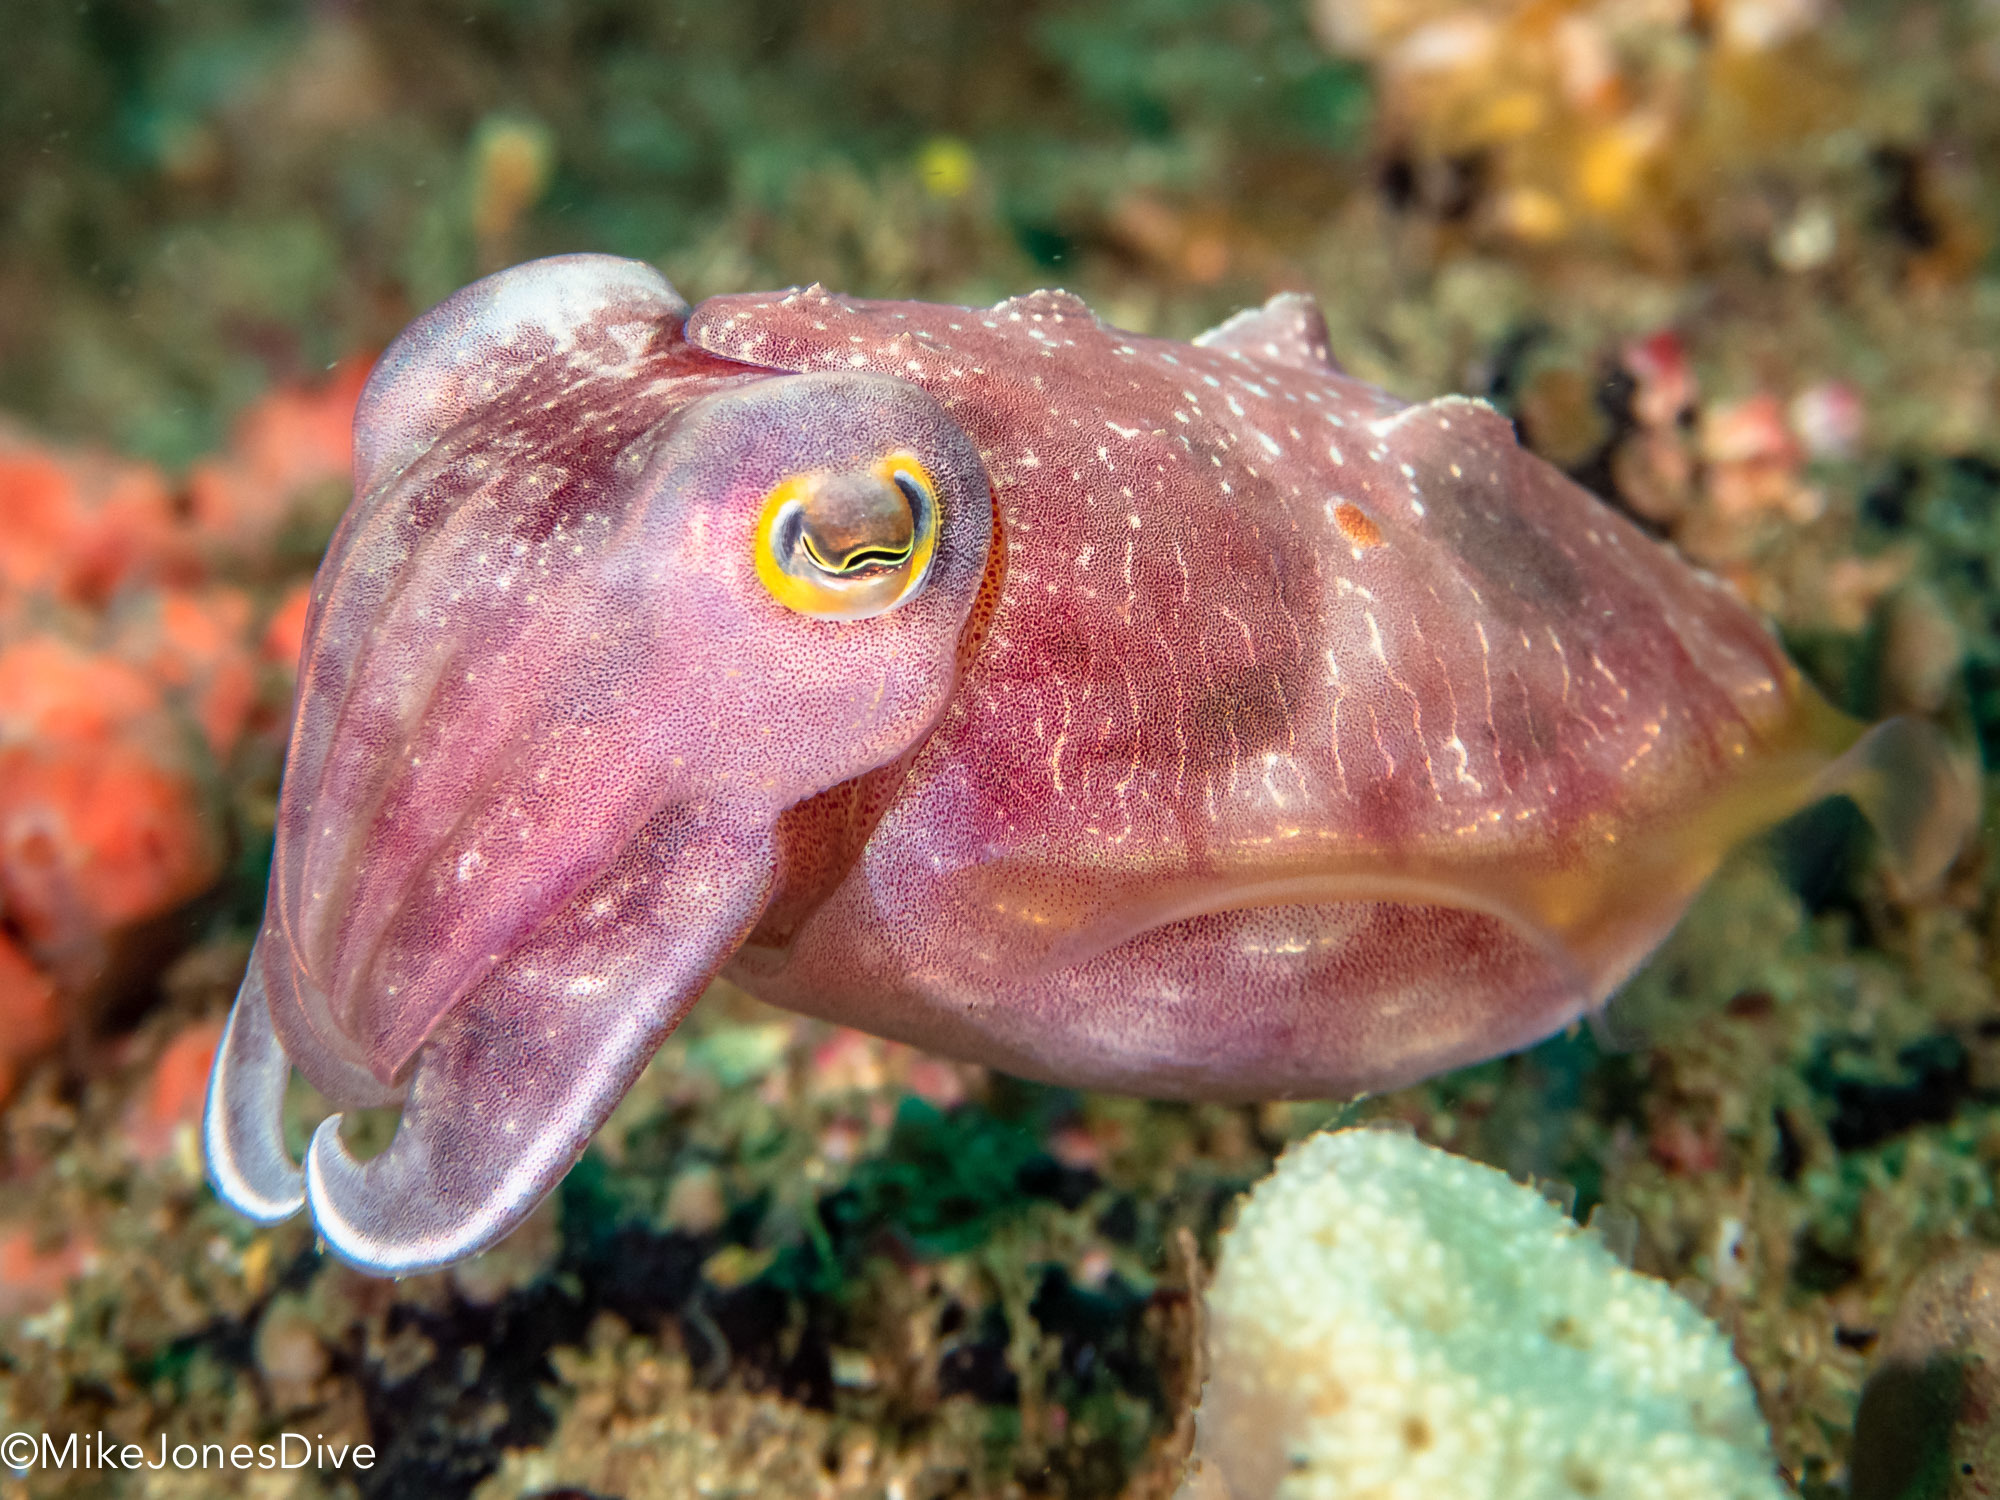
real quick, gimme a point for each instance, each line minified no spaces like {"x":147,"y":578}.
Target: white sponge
{"x":1392,"y":1322}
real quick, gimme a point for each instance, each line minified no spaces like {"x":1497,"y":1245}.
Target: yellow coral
{"x":1604,"y":115}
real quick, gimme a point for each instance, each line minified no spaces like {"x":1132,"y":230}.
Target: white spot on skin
{"x":1462,"y":772}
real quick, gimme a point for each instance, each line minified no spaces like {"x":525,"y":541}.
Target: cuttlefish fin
{"x":508,"y":1090}
{"x":1919,"y":792}
{"x":1290,"y":329}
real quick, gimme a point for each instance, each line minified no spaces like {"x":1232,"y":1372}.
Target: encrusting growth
{"x":1393,"y":1321}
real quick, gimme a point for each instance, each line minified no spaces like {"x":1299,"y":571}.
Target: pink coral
{"x":132,"y":673}
{"x":198,"y":643}
{"x":30,"y":1022}
{"x":169,"y":1108}
{"x":101,"y":815}
{"x":286,"y":445}
{"x":82,"y":526}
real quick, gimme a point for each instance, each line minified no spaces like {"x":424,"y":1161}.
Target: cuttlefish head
{"x":604,"y":609}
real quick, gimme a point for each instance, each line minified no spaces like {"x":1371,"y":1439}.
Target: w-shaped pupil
{"x":857,"y":524}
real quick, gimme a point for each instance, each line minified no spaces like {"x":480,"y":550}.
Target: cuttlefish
{"x":1188,"y":719}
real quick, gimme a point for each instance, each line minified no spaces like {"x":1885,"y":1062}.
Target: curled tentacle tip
{"x":378,"y":1216}
{"x":243,"y":1130}
{"x":265,"y":1192}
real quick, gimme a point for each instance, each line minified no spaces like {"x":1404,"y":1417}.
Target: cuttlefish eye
{"x":849,"y":543}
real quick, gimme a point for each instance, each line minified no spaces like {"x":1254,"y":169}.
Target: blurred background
{"x":1732,"y":263}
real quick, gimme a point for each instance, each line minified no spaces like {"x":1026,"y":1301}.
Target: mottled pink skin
{"x":1285,"y":740}
{"x":1231,"y":804}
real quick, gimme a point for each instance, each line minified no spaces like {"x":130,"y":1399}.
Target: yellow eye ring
{"x":847,"y":544}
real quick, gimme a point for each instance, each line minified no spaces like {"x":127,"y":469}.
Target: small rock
{"x":1929,"y":1421}
{"x":1922,"y":651}
{"x":695,"y":1202}
{"x":290,"y":1354}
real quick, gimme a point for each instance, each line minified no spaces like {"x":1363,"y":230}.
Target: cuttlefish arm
{"x":515,"y":1080}
{"x":243,"y":1134}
